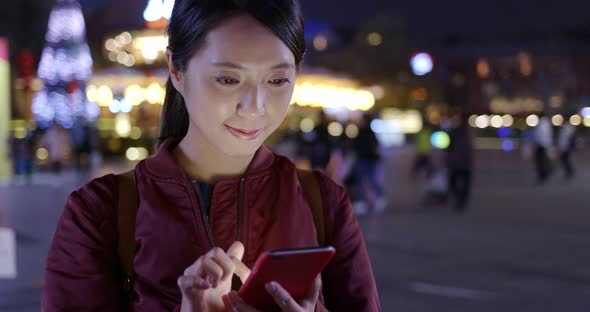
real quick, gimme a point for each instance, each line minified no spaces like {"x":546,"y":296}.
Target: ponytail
{"x":175,"y":119}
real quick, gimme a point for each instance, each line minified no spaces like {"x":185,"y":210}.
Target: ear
{"x":175,"y":73}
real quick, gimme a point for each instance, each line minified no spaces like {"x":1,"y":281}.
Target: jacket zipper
{"x":206,"y":219}
{"x":240,"y":209}
{"x":204,"y":215}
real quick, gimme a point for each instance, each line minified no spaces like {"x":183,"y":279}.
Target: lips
{"x":243,"y":134}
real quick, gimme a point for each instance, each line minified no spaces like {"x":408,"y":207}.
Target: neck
{"x":204,"y":162}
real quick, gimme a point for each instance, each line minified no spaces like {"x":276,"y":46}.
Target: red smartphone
{"x":294,"y":269}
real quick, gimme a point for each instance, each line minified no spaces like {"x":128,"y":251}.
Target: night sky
{"x":452,"y":17}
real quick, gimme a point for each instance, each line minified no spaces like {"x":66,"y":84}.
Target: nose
{"x":252,"y":104}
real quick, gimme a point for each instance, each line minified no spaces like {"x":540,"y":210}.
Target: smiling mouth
{"x":247,"y":135}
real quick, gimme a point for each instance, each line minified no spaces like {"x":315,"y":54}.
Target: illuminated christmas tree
{"x":65,"y":67}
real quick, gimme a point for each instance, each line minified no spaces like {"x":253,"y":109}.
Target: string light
{"x":64,"y":67}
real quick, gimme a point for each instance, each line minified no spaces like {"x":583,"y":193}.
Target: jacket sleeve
{"x":348,"y":281}
{"x":82,"y":270}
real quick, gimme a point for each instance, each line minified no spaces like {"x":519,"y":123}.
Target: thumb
{"x":236,"y":250}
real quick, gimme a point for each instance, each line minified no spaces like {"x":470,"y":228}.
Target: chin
{"x":241,"y":149}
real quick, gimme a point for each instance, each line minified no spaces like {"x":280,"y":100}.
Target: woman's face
{"x":238,"y":86}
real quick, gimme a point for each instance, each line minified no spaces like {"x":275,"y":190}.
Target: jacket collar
{"x":163,"y":164}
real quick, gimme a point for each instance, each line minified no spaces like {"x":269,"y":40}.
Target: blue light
{"x":507,"y":146}
{"x":115,"y":107}
{"x":504,"y":132}
{"x":421,"y":63}
{"x":125,"y":105}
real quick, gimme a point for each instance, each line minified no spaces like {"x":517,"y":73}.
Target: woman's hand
{"x":282,"y":298}
{"x":206,"y":281}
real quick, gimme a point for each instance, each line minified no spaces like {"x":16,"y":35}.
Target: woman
{"x":212,"y":198}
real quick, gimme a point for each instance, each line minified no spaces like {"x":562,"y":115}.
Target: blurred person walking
{"x":368,"y":193}
{"x":460,"y":161}
{"x":57,"y":141}
{"x":566,"y":144}
{"x":423,"y":158}
{"x":543,"y":138}
{"x":322,"y":145}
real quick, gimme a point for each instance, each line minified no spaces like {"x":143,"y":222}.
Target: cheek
{"x":278,"y":106}
{"x":206,"y":104}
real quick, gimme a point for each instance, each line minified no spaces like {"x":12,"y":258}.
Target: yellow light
{"x":151,"y":47}
{"x":374,"y":39}
{"x":320,"y":42}
{"x":307,"y":125}
{"x":472,"y":120}
{"x":126,"y":37}
{"x":576,"y":120}
{"x":149,"y":55}
{"x":507,"y":121}
{"x":407,"y":122}
{"x":134,"y":94}
{"x":92,"y":93}
{"x":482,"y":121}
{"x":132,"y":154}
{"x":136,"y":153}
{"x":557,"y":120}
{"x":110,"y":45}
{"x":20,"y":133}
{"x":135,"y":133}
{"x":335,"y":129}
{"x":532,"y":120}
{"x":352,"y":131}
{"x":105,"y":96}
{"x":36,"y":84}
{"x":325,"y":96}
{"x":587,"y":122}
{"x":42,"y":154}
{"x":130,"y":61}
{"x":496,"y":121}
{"x":154,"y":94}
{"x":113,"y":56}
{"x":122,"y":125}
{"x":483,"y":68}
{"x":122,"y":57}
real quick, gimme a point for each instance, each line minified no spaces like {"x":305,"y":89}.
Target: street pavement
{"x":518,"y":246}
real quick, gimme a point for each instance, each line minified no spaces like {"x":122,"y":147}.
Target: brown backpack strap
{"x":311,"y":191}
{"x":126,"y":212}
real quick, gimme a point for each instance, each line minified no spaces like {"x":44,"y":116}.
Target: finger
{"x":225,"y":262}
{"x":194,"y":268}
{"x":212,"y":271}
{"x":241,"y":270}
{"x":237,"y":304}
{"x":236,"y":250}
{"x":188,"y":284}
{"x":311,"y":297}
{"x":282,"y":297}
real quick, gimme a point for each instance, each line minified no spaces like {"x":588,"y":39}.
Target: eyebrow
{"x":237,"y":66}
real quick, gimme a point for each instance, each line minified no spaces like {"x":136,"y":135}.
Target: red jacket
{"x":82,"y":271}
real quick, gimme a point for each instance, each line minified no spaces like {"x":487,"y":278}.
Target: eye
{"x":279,"y":82}
{"x":227,"y":81}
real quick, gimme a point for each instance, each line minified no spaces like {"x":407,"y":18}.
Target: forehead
{"x":243,"y":40}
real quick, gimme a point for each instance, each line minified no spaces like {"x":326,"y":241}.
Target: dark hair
{"x":189,"y":24}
